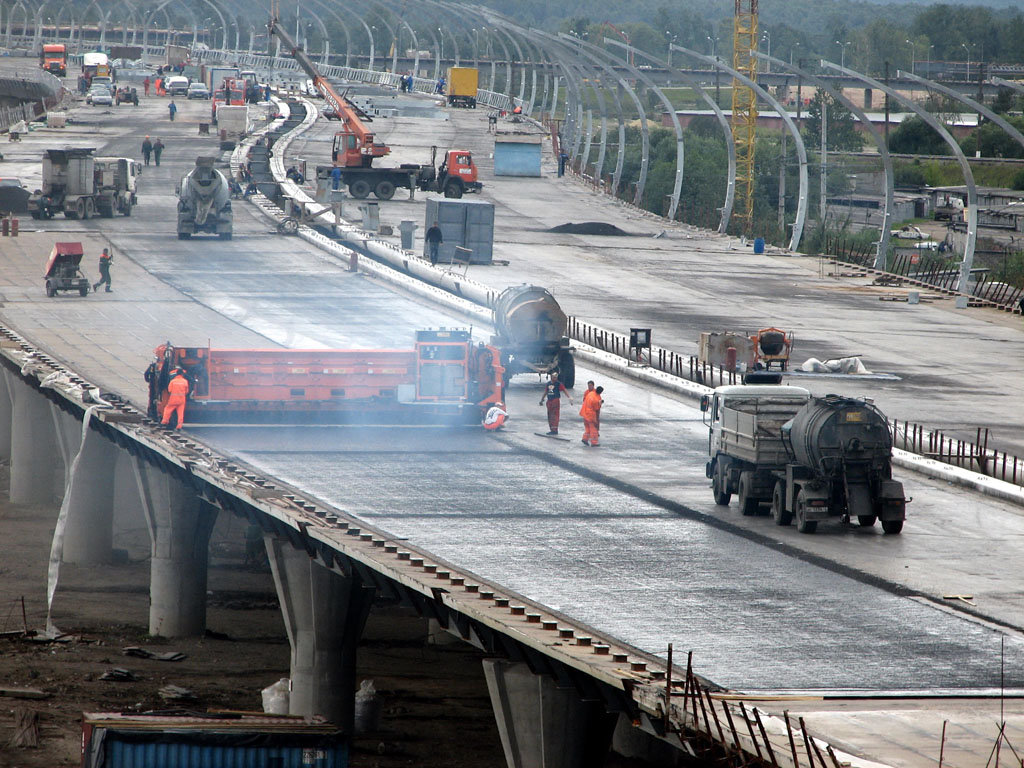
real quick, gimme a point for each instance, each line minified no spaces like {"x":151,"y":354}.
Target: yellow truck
{"x":461,"y":85}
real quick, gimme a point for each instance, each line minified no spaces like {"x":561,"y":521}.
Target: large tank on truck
{"x":204,"y":202}
{"x":531,"y":333}
{"x":461,"y":86}
{"x":810,"y":458}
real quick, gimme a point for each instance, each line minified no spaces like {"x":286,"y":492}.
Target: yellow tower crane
{"x":744,"y":107}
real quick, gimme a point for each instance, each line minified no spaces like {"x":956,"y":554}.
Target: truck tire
{"x":384,"y":190}
{"x":127,"y":209}
{"x":359,"y":189}
{"x":749,"y":505}
{"x":804,"y":526}
{"x":866,"y":521}
{"x":90,"y":208}
{"x":70,"y":214}
{"x":453,"y":189}
{"x":779,"y":513}
{"x":892,"y":526}
{"x":50,"y":290}
{"x":719,"y":487}
{"x":83,"y":291}
{"x":567,"y":368}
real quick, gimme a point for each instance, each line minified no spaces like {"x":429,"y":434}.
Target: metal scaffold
{"x":744,"y":107}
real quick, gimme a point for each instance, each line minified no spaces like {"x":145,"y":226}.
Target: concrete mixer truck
{"x":530,"y":332}
{"x":810,"y":458}
{"x":204,"y":202}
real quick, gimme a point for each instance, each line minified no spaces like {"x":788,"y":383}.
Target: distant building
{"x":769,"y":119}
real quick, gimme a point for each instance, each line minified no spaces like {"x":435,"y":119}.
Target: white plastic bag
{"x":276,"y":697}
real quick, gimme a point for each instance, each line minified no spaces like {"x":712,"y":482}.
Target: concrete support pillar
{"x":630,"y":741}
{"x":324,"y":614}
{"x":868,"y":98}
{"x":180,"y":524}
{"x":88,"y":534}
{"x":6,"y":414}
{"x":33,"y":449}
{"x":542,"y":725}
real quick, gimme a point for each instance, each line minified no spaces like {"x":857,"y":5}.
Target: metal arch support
{"x":726,"y":126}
{"x":1018,"y":87}
{"x":394,"y":40}
{"x":680,"y":155}
{"x":161,"y":7}
{"x":935,"y":125}
{"x":975,"y":105}
{"x":882,"y":248}
{"x":344,"y":28}
{"x":412,"y":34}
{"x":645,"y":139}
{"x":801,"y":208}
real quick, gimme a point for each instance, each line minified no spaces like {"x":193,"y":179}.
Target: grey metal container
{"x":465,"y":223}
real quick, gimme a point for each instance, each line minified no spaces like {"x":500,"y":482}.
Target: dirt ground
{"x":434,"y":702}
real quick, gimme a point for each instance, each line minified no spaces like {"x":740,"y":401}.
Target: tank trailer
{"x":810,"y":458}
{"x":530,"y":330}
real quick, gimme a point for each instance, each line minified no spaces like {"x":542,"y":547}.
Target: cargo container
{"x":517,"y":155}
{"x":461,"y":86}
{"x":117,"y":740}
{"x":468,"y":224}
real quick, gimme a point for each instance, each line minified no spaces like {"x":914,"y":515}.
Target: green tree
{"x":841,"y":131}
{"x":993,"y":141}
{"x":915,"y":137}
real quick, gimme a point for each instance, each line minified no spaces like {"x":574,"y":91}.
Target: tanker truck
{"x":809,"y":458}
{"x":204,"y":202}
{"x":530,"y":332}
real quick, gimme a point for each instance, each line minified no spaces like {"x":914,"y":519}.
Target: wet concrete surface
{"x":635,"y":570}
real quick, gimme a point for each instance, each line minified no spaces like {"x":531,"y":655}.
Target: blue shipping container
{"x":140,"y":741}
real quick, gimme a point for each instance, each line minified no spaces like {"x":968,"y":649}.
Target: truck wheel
{"x":453,"y":189}
{"x":359,"y":189}
{"x":384,"y":190}
{"x":719,"y":487}
{"x":127,"y":209}
{"x":106,"y":211}
{"x":779,"y":513}
{"x":36,"y":215}
{"x":749,"y":505}
{"x":83,"y":291}
{"x":90,"y":209}
{"x":50,"y":290}
{"x":892,"y":526}
{"x":70,"y":214}
{"x":866,"y":521}
{"x":804,"y":526}
{"x":567,"y":368}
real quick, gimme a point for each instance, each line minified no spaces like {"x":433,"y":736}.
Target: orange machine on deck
{"x":445,"y":378}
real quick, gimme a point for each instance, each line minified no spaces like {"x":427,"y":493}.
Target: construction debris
{"x":119,"y":675}
{"x":26,"y":728}
{"x":145,"y":653}
{"x":23,"y":693}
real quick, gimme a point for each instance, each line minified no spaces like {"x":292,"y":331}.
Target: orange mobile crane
{"x":355,"y":147}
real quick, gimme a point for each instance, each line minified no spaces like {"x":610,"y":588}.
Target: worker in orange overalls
{"x":591,"y":413}
{"x":178,"y":389}
{"x":496,"y":417}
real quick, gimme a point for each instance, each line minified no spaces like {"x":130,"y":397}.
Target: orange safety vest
{"x":178,"y":389}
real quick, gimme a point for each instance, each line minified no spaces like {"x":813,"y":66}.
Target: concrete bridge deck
{"x":259,"y":289}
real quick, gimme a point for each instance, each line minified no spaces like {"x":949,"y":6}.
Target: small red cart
{"x":63,"y":270}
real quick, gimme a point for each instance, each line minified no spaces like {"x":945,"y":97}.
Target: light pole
{"x":842,"y":56}
{"x":672,"y":41}
{"x":766,"y":35}
{"x":714,"y":55}
{"x":913,"y":48}
{"x":968,"y":51}
{"x":440,"y":37}
{"x":714,"y":46}
{"x":928,"y":62}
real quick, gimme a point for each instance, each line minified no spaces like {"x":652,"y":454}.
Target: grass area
{"x":944,"y":173}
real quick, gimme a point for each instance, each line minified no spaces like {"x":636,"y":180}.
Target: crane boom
{"x":354,"y":145}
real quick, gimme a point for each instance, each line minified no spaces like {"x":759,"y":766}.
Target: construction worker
{"x":145,"y":85}
{"x":553,"y":396}
{"x":147,"y":149}
{"x":158,"y":149}
{"x":496,"y":417}
{"x":177,"y":389}
{"x":434,"y":239}
{"x":105,"y":261}
{"x":172,"y":108}
{"x":591,"y":413}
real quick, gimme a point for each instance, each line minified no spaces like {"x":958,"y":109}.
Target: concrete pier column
{"x":88,"y":535}
{"x":6,"y":414}
{"x":324,"y":614}
{"x":542,"y":725}
{"x":34,"y":458}
{"x":180,"y":524}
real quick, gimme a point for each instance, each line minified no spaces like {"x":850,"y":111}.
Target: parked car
{"x":176,"y":86}
{"x":198,"y":91}
{"x":105,"y":80}
{"x":909,"y":232}
{"x":99,"y":96}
